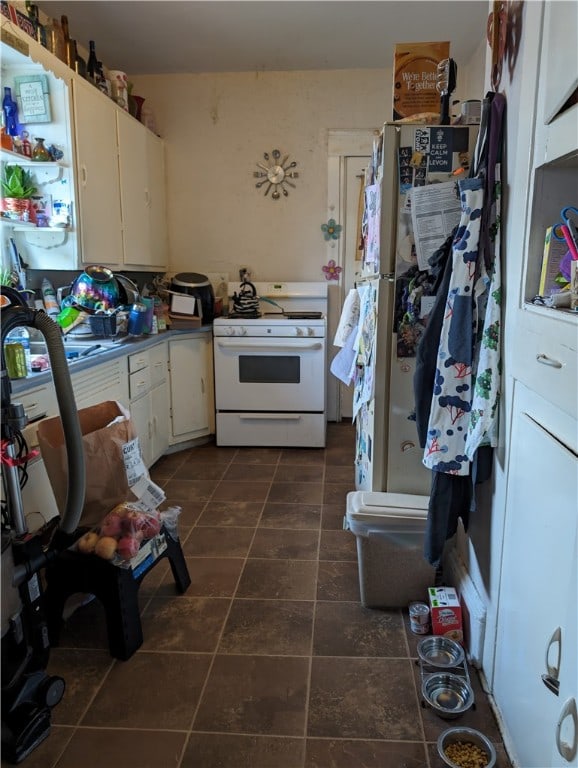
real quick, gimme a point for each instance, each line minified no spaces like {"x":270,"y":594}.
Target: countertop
{"x":113,"y":349}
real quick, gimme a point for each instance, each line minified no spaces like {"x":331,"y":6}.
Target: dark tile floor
{"x":268,"y":660}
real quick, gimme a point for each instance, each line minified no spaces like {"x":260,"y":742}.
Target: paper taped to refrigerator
{"x":435,"y":211}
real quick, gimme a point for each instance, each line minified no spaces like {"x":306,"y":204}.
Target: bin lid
{"x":374,"y":502}
{"x":369,"y":512}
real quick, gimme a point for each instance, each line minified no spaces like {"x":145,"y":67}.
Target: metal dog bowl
{"x":448,"y":695}
{"x":465,"y":735}
{"x":440,"y":651}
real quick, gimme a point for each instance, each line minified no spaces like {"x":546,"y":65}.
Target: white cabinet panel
{"x":142,"y":180}
{"x":191,"y":386}
{"x":149,"y":400}
{"x":98,"y":179}
{"x":539,"y":567}
{"x":133,"y":188}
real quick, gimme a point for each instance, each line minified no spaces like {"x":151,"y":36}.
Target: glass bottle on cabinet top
{"x":92,"y":63}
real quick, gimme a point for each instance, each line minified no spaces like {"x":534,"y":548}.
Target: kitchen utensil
{"x":465,"y":735}
{"x":447,"y":694}
{"x":246,"y":301}
{"x":440,"y":651}
{"x":128,"y":291}
{"x":199,"y":286}
{"x":90,"y":350}
{"x":293,"y":314}
{"x":96,"y":288}
{"x":103,"y":325}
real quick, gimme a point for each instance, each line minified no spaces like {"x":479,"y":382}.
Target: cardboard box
{"x":446,"y":613}
{"x":415,"y":77}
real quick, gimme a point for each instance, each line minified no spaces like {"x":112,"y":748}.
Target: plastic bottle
{"x":49,"y":298}
{"x":21,"y":336}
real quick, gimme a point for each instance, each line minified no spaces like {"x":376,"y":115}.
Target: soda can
{"x":419,"y":618}
{"x":15,"y":357}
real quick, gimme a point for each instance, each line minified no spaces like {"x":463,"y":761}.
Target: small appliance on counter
{"x":186,"y":286}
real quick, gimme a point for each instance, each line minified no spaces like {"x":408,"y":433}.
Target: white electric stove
{"x":270,"y":367}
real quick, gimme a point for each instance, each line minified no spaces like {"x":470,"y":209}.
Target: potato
{"x":105,"y":547}
{"x":87,"y":543}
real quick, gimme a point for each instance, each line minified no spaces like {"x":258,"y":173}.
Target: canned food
{"x":419,"y":618}
{"x":15,"y":357}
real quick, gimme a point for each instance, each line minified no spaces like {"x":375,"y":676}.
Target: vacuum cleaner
{"x":28,"y":692}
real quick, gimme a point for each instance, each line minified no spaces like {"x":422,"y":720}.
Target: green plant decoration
{"x":17,"y":182}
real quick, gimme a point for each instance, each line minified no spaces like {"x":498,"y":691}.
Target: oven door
{"x":270,"y":374}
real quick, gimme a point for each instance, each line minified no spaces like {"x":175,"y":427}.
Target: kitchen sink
{"x":74,"y":352}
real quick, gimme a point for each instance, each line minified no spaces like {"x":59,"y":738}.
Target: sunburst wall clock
{"x":276,"y":174}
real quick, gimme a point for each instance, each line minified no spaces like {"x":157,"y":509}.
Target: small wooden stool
{"x":116,"y":588}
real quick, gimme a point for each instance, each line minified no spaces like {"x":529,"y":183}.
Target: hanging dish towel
{"x":348,"y":320}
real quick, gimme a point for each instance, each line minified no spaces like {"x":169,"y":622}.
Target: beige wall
{"x":217,"y":126}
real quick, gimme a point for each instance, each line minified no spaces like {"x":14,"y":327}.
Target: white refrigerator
{"x":413,"y":166}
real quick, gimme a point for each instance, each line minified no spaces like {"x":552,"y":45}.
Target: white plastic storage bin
{"x":389,"y":528}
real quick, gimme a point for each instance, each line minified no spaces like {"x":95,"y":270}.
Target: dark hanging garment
{"x":426,"y":353}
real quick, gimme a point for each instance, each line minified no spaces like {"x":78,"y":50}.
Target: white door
{"x":348,"y":155}
{"x":353,"y":187}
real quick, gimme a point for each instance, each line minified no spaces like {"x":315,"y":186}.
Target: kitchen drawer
{"x":37,"y":402}
{"x":158,"y":360}
{"x":546,"y":363}
{"x":138,"y":361}
{"x":139,"y":383}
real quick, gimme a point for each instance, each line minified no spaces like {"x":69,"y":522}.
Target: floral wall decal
{"x":331,"y":230}
{"x":331,"y":270}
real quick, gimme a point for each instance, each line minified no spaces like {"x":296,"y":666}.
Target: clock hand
{"x":268,"y":188}
{"x":264,"y":167}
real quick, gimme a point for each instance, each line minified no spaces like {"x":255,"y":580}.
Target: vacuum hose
{"x":17,"y":315}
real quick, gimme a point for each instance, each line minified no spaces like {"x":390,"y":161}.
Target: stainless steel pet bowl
{"x":440,"y":651}
{"x":448,"y":695}
{"x":453,"y":735}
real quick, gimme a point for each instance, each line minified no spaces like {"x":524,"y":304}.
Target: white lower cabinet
{"x":536,"y":674}
{"x":191,"y":387}
{"x":149,"y":400}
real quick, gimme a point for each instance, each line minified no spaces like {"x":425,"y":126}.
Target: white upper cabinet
{"x":111,"y":176}
{"x":97,"y":176}
{"x":142,"y":181}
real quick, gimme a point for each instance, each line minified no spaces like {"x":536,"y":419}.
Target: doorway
{"x":348,"y":155}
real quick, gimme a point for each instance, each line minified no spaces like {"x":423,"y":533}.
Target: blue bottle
{"x":10,"y":109}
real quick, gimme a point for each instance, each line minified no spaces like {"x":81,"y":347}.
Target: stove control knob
{"x":242,"y":331}
{"x":299,"y":331}
{"x":310,"y":332}
{"x":229,"y":330}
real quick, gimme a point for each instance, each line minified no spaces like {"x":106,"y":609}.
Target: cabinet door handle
{"x":551,"y":679}
{"x":84,"y":174}
{"x":545,"y":360}
{"x":202,"y":386}
{"x":147,"y":197}
{"x":567,"y":750}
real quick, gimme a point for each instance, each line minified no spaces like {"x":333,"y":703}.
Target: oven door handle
{"x":268,"y":347}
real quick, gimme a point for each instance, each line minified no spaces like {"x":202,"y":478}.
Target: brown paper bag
{"x":106,"y":480}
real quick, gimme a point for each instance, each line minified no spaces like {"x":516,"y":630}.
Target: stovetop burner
{"x":245,"y":315}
